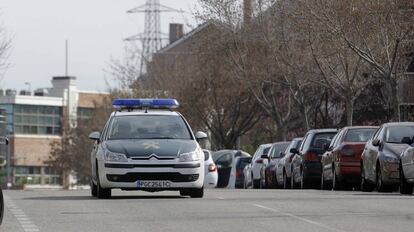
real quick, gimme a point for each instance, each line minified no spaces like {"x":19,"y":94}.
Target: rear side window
{"x":206,"y":155}
{"x":265,"y":151}
{"x":359,"y":135}
{"x":243,"y":162}
{"x":319,"y":140}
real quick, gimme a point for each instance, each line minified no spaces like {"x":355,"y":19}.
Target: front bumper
{"x":125,"y":175}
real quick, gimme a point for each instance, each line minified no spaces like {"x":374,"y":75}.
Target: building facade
{"x":34,"y":121}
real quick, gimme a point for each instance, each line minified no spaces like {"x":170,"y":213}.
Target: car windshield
{"x":359,"y":135}
{"x":148,"y":127}
{"x":396,"y":134}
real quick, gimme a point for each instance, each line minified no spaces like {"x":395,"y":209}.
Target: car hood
{"x":146,"y":148}
{"x":395,"y":149}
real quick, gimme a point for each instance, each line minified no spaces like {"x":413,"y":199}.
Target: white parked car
{"x":210,"y":170}
{"x":230,"y":165}
{"x":252,"y":171}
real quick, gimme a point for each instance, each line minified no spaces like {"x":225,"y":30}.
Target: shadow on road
{"x":78,"y":198}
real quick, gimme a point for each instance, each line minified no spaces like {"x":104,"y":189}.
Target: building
{"x":33,"y":121}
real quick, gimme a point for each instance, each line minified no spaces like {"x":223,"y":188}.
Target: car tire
{"x":196,"y":193}
{"x":405,"y":187}
{"x":256,"y":184}
{"x":381,"y":187}
{"x":365,"y":186}
{"x":292,"y":180}
{"x":336,"y":183}
{"x":94,"y":189}
{"x":286,"y":181}
{"x":303,"y":183}
{"x":102,"y":193}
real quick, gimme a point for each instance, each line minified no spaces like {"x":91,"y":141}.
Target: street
{"x":220,"y":210}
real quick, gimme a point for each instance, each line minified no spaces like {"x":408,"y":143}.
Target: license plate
{"x":153,"y":184}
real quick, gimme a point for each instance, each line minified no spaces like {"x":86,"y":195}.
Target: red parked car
{"x":341,"y":161}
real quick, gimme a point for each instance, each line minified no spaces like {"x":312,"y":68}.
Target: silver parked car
{"x":380,"y":159}
{"x":407,"y":167}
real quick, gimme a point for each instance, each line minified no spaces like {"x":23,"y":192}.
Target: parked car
{"x":407,"y":168}
{"x":272,"y":158}
{"x":341,"y":162}
{"x":380,"y":160}
{"x":210,"y":170}
{"x":306,"y":165}
{"x":230,"y":165}
{"x":252,"y":171}
{"x":284,"y":167}
{"x":4,"y":142}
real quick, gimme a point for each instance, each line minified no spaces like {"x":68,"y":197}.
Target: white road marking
{"x":300,"y":218}
{"x":22,"y":218}
{"x":220,"y":198}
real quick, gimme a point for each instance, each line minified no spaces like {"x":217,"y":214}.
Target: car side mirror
{"x":407,"y":140}
{"x":294,"y":151}
{"x":200,"y":135}
{"x":95,"y":136}
{"x":376,"y":142}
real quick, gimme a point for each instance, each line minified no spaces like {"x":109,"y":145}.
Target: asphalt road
{"x":219,"y":211}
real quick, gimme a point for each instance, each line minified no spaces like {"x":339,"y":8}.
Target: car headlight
{"x":115,"y":157}
{"x":390,"y":159}
{"x":190,"y":156}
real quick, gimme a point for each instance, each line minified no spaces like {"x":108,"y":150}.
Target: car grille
{"x":168,"y":176}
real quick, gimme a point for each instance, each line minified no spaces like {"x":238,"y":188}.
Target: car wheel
{"x":286,"y":181}
{"x":102,"y":193}
{"x":405,"y":187}
{"x":365,"y":186}
{"x":303,"y":182}
{"x":292,"y":180}
{"x":336,"y":184}
{"x":94,"y":189}
{"x":196,"y":193}
{"x":381,"y":187}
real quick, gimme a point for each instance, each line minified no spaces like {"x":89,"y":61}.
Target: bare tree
{"x":5,"y":46}
{"x":379,"y":32}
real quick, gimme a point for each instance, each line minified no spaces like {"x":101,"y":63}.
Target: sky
{"x":95,"y":30}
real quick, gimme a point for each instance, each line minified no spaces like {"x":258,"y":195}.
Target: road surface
{"x":219,"y":211}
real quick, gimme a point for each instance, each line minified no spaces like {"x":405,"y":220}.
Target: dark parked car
{"x":306,"y":165}
{"x":341,"y":162}
{"x":276,"y":153}
{"x":229,"y":163}
{"x":284,"y":167}
{"x":380,"y":160}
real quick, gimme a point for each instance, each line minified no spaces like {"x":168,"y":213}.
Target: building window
{"x":32,"y":119}
{"x":85,"y":113}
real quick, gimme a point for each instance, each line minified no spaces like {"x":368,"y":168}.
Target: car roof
{"x":315,"y":131}
{"x":398,"y":124}
{"x":360,"y":127}
{"x":150,"y":112}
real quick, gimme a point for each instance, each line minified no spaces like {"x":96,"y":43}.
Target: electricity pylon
{"x":152,"y":37}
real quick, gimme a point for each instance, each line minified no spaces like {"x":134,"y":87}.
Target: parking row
{"x":365,"y":158}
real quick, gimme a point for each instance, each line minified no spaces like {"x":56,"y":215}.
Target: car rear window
{"x":278,"y":148}
{"x":319,"y":140}
{"x":359,"y":135}
{"x":266,"y":150}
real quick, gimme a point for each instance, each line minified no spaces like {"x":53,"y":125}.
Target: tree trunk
{"x":349,"y":105}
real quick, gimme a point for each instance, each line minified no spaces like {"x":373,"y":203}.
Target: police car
{"x":145,"y":145}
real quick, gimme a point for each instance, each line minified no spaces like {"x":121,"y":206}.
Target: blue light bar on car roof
{"x":145,"y":103}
